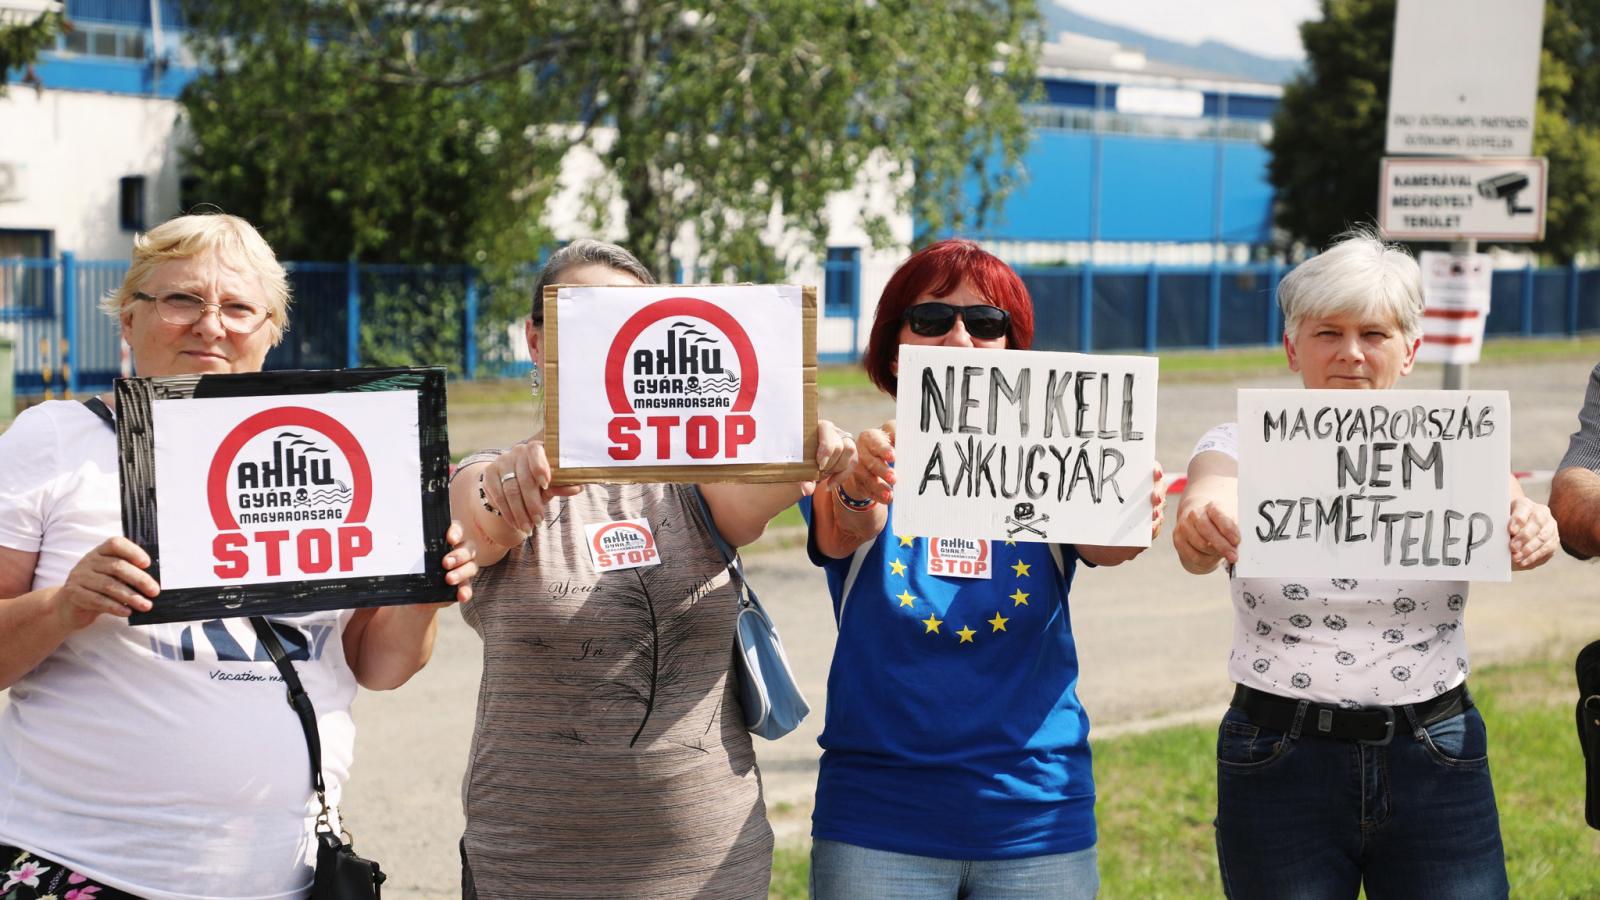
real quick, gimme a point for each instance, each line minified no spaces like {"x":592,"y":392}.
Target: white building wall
{"x":70,"y":148}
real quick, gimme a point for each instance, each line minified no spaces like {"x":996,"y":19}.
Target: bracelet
{"x":483,"y":497}
{"x":852,"y":503}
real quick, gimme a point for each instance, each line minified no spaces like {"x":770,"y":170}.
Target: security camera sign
{"x":1422,"y":199}
{"x":661,"y":383}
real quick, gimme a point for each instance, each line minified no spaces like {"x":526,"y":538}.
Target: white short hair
{"x":1359,"y":275}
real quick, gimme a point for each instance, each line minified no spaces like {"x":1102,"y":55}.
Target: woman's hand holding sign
{"x":1116,"y":556}
{"x":501,"y":501}
{"x":871,"y":477}
{"x":1208,"y":528}
{"x":109,"y":580}
{"x":518,"y":484}
{"x":836,"y":449}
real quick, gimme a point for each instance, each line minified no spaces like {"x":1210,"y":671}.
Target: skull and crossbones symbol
{"x":1023,"y":519}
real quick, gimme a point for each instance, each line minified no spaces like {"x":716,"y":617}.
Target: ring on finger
{"x":509,"y":476}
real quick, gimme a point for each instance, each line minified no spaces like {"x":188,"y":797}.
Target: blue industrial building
{"x":1131,"y":156}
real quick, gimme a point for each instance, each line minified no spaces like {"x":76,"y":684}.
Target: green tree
{"x":294,"y":128}
{"x":21,"y":42}
{"x":729,"y":121}
{"x":1329,"y":130}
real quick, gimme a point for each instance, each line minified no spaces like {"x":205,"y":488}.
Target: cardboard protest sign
{"x":1024,"y":446}
{"x":1354,"y":484}
{"x":286,"y":492}
{"x":681,"y":383}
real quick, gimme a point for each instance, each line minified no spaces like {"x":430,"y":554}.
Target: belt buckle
{"x":1388,"y":728}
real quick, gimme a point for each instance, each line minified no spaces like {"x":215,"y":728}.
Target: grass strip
{"x":1158,"y":794}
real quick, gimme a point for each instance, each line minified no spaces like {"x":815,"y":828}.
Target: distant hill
{"x":1212,"y":56}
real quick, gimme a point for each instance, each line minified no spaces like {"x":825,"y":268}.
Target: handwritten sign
{"x":1025,"y":446}
{"x":1398,"y":484}
{"x":681,"y":383}
{"x":286,"y":492}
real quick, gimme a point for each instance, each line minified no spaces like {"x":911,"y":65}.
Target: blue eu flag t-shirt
{"x":953,"y":726}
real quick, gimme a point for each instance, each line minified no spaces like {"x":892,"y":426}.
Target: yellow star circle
{"x":933,"y":624}
{"x":1020,"y":598}
{"x":897,"y":567}
{"x":999,"y":622}
{"x":1021,"y":568}
{"x":905,"y":541}
{"x":906,"y":599}
{"x":966,"y":634}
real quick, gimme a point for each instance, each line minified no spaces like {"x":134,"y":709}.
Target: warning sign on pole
{"x":1455,"y":297}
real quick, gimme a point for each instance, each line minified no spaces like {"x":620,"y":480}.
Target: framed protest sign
{"x":1354,"y":484}
{"x":1024,"y":446}
{"x":286,"y":492}
{"x":688,"y":383}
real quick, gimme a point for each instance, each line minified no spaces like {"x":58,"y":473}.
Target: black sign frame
{"x":136,"y":464}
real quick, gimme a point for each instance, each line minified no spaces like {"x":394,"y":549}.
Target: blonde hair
{"x":1359,"y":275}
{"x":228,"y":237}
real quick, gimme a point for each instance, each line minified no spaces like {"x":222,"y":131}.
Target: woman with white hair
{"x":162,"y":761}
{"x":1369,"y":766}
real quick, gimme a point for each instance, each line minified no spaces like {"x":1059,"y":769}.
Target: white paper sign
{"x":680,"y":375}
{"x":307,"y":487}
{"x":1408,"y":485}
{"x":1465,"y":76}
{"x":1455,"y":293}
{"x":1025,"y":446}
{"x":1457,"y":199}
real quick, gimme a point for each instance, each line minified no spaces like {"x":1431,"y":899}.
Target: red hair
{"x":937,"y":270}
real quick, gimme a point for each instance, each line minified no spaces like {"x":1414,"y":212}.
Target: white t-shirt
{"x":162,"y":760}
{"x":1338,"y":640}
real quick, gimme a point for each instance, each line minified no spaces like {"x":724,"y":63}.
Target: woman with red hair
{"x":955,"y":752}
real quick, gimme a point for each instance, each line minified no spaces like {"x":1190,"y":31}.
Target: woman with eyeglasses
{"x":163,"y":761}
{"x":955,"y":752}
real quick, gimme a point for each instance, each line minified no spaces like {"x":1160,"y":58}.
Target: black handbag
{"x":1589,"y":729}
{"x":341,"y":874}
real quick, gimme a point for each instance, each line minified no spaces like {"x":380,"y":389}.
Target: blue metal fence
{"x":348,"y":314}
{"x":1149,"y":308}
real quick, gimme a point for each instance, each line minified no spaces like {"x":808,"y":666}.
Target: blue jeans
{"x":841,"y":871}
{"x":1301,"y":817}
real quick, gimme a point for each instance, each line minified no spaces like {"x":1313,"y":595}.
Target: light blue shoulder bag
{"x":773,"y":704}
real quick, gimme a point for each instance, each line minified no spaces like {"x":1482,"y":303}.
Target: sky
{"x":1266,"y":27}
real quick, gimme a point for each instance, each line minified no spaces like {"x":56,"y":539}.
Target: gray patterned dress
{"x":610,"y":757}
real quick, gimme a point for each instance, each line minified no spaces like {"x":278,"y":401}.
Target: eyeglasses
{"x":179,"y":308}
{"x":986,"y":323}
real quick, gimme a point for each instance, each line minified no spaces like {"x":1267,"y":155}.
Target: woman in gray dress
{"x":610,"y":756}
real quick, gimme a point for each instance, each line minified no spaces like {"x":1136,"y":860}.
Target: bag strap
{"x":856,"y":561}
{"x":747,"y":594}
{"x":99,"y":408}
{"x":298,"y":699}
{"x":301,"y":703}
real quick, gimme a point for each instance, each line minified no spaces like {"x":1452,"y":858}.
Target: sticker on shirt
{"x":625,"y":544}
{"x":959,"y":558}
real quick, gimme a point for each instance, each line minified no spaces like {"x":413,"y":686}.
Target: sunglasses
{"x":986,"y":323}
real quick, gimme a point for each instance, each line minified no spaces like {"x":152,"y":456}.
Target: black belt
{"x":1368,"y":724}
